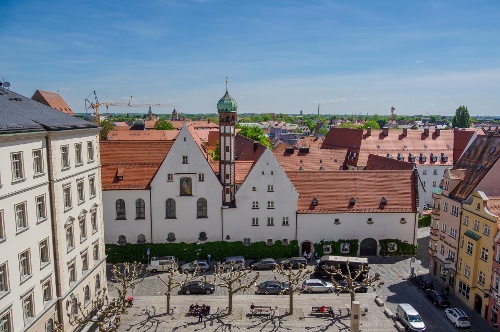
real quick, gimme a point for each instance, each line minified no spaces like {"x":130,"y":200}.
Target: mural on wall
{"x":186,"y":186}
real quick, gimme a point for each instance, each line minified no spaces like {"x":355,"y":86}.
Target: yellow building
{"x":479,"y":225}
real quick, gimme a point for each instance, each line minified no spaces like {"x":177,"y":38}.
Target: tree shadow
{"x":272,"y":322}
{"x":330,"y":323}
{"x":216,"y":319}
{"x":151,"y":320}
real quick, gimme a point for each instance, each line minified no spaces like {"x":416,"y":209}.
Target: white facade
{"x":265,"y":205}
{"x":429,"y":178}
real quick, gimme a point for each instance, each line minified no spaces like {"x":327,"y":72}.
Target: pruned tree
{"x":350,"y":281}
{"x":234,"y":280}
{"x":106,"y":312}
{"x":294,"y":278}
{"x":172,"y":281}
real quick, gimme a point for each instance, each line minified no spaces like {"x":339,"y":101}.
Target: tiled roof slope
{"x":247,"y":149}
{"x":477,"y":161}
{"x":381,"y":163}
{"x":242,"y":168}
{"x":334,"y":189}
{"x":313,"y":160}
{"x":53,"y":100}
{"x":139,"y":161}
{"x":493,"y":205}
{"x":212,"y":139}
{"x":19,"y":113}
{"x":142,"y":135}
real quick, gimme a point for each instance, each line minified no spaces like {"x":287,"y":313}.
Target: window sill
{"x":94,"y":231}
{"x":81,"y":202}
{"x":18,"y":180}
{"x":70,"y":249}
{"x":171,"y":218}
{"x":44,"y":265}
{"x":38,"y":175}
{"x":83,"y":239}
{"x":255,"y":208}
{"x":202,"y":217}
{"x":65,"y":168}
{"x":41,"y":220}
{"x":79,"y":164}
{"x":22,"y":230}
{"x":121,"y":219}
{"x":25,"y":278}
{"x":270,"y":208}
{"x":2,"y":240}
{"x":285,"y":225}
{"x":255,"y":225}
{"x":270,"y":225}
{"x":66,"y":209}
{"x":140,"y":218}
{"x":90,"y":161}
{"x":4,"y":294}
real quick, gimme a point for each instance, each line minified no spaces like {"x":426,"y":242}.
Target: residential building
{"x":494,"y":298}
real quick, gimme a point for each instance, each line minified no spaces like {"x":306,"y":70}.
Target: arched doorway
{"x":305,"y":247}
{"x":478,"y":303}
{"x":368,"y":247}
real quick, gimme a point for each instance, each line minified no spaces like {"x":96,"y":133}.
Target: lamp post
{"x":412,"y":266}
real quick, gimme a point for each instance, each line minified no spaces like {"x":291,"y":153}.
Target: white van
{"x":165,"y":263}
{"x":236,"y":262}
{"x":410,"y":318}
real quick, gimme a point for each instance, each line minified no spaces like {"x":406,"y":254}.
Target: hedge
{"x":191,"y":251}
{"x":335,"y":245}
{"x":403,"y":248}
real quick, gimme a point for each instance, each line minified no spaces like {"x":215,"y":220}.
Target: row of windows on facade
{"x":80,"y":190}
{"x":171,"y":213}
{"x":82,"y":223}
{"x":453,"y":231}
{"x":424,"y":172}
{"x":29,"y":310}
{"x":17,"y":160}
{"x":141,"y":238}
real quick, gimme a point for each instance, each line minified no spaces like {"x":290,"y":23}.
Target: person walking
{"x":305,"y":255}
{"x":200,"y":315}
{"x":208,"y":258}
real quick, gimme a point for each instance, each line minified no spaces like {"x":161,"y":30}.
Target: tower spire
{"x":227,"y":81}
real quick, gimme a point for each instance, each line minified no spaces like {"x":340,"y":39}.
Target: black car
{"x":197,"y":287}
{"x":359,"y":289}
{"x":294,"y":262}
{"x":267,"y":263}
{"x":272,"y":287}
{"x":439,"y":300}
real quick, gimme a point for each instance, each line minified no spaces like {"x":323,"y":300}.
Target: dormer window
{"x":433,"y":158}
{"x":352,"y":201}
{"x":401,"y":157}
{"x":389,"y":156}
{"x":444,"y":157}
{"x":383,"y":201}
{"x":423,"y":158}
{"x":314,"y":202}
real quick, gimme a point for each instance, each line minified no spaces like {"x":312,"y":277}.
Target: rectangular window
{"x":65,"y":156}
{"x":453,"y":232}
{"x":255,"y":205}
{"x":435,"y":172}
{"x":83,"y":229}
{"x":270,"y":187}
{"x":81,"y":192}
{"x":484,"y":254}
{"x":481,"y":278}
{"x":467,"y":271}
{"x":246,"y":241}
{"x":460,"y":264}
{"x":270,"y":204}
{"x":441,"y":250}
{"x":92,"y":186}
{"x":446,"y":184}
{"x":434,"y":183}
{"x":496,"y":283}
{"x":2,"y":227}
{"x":17,"y":166}
{"x":24,"y":264}
{"x":454,"y":210}
{"x":227,"y":148}
{"x":67,"y":197}
{"x":285,"y":221}
{"x":424,"y":172}
{"x":451,"y":255}
{"x":21,"y":219}
{"x":90,"y":151}
{"x":41,"y":213}
{"x":96,"y":252}
{"x":44,"y":252}
{"x":270,"y":221}
{"x":462,"y":242}
{"x":78,"y":154}
{"x":486,"y":230}
{"x":497,"y":257}
{"x":170,"y":177}
{"x":443,"y":227}
{"x":476,"y":225}
{"x":254,"y":189}
{"x":72,"y":273}
{"x":70,"y":240}
{"x":4,"y":278}
{"x":463,"y":289}
{"x":201,"y":177}
{"x":47,"y":290}
{"x":6,"y":322}
{"x":466,"y":220}
{"x":470,"y":247}
{"x":185,"y":159}
{"x":445,"y":206}
{"x":37,"y":162}
{"x":255,"y":221}
{"x":93,"y":221}
{"x":28,"y":308}
{"x":85,"y":261}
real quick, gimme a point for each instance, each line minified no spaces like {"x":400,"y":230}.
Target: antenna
{"x":4,"y":84}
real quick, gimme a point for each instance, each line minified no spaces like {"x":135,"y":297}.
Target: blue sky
{"x":363,"y":57}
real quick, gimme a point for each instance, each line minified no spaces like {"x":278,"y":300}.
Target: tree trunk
{"x":168,"y":303}
{"x":290,"y":296}
{"x":230,"y":309}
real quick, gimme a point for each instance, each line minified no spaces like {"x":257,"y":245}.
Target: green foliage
{"x":461,"y":118}
{"x":106,"y":127}
{"x":335,"y":245}
{"x":163,"y":124}
{"x":372,"y":124}
{"x":424,"y":221}
{"x":255,"y":133}
{"x":191,"y":251}
{"x":216,"y":153}
{"x":403,"y":248}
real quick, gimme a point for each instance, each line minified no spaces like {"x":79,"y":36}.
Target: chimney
{"x":385,"y":131}
{"x":368,"y":131}
{"x":437,"y":132}
{"x":405,"y":131}
{"x":426,"y":131}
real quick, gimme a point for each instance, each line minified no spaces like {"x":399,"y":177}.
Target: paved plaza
{"x":149,"y":310}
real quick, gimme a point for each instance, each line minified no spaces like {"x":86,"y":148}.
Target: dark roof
{"x":376,"y":162}
{"x":19,"y":113}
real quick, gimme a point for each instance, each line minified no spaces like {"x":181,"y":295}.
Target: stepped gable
{"x":476,"y":162}
{"x":334,"y":190}
{"x":309,"y":158}
{"x":142,"y":135}
{"x":381,"y":163}
{"x":53,"y":100}
{"x":135,"y":161}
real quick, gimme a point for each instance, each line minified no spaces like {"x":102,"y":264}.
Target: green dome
{"x":227,"y":103}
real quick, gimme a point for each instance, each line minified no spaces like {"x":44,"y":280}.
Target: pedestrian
{"x":200,"y":316}
{"x":305,"y":254}
{"x":316,"y":255}
{"x":309,"y":256}
{"x":208,"y":258}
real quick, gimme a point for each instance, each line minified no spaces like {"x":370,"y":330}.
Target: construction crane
{"x":96,"y":105}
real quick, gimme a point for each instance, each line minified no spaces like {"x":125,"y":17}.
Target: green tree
{"x":163,"y":124}
{"x":255,"y":133}
{"x":216,"y":155}
{"x":461,"y":118}
{"x":106,"y":127}
{"x":372,"y":124}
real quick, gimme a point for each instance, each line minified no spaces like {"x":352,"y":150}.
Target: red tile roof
{"x":493,"y":205}
{"x":334,"y":189}
{"x":138,"y":161}
{"x":292,"y":159}
{"x":53,"y":100}
{"x":381,"y":163}
{"x":142,"y":135}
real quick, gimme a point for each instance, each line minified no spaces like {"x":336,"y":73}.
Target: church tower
{"x":228,"y":117}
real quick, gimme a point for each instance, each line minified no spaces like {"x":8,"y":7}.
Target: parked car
{"x":237,"y":262}
{"x":439,"y":300}
{"x":294,"y":262}
{"x":197,"y":287}
{"x":457,"y":317}
{"x":164,"y":263}
{"x":272,"y":287}
{"x":343,"y":283}
{"x":410,"y":318}
{"x":266,"y":263}
{"x":190,"y":267}
{"x":317,"y":286}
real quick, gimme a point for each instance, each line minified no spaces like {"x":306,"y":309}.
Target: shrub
{"x":403,"y":248}
{"x":424,"y":221}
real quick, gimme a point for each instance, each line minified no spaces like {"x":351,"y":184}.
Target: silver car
{"x":190,"y":267}
{"x":317,"y":286}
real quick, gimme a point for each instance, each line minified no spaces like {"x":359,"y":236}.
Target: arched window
{"x":171,"y":237}
{"x":202,"y":208}
{"x":141,"y":238}
{"x":120,"y":209}
{"x":170,"y":209}
{"x":140,"y":209}
{"x":74,"y":306}
{"x":122,"y":239}
{"x":97,"y":282}
{"x":49,"y":326}
{"x":86,"y":293}
{"x":203,"y":236}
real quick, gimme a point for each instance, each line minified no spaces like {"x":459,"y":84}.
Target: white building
{"x":51,"y":230}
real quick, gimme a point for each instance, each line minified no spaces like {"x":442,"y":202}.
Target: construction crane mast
{"x":96,"y":105}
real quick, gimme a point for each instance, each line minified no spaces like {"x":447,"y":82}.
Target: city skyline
{"x":427,"y":57}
